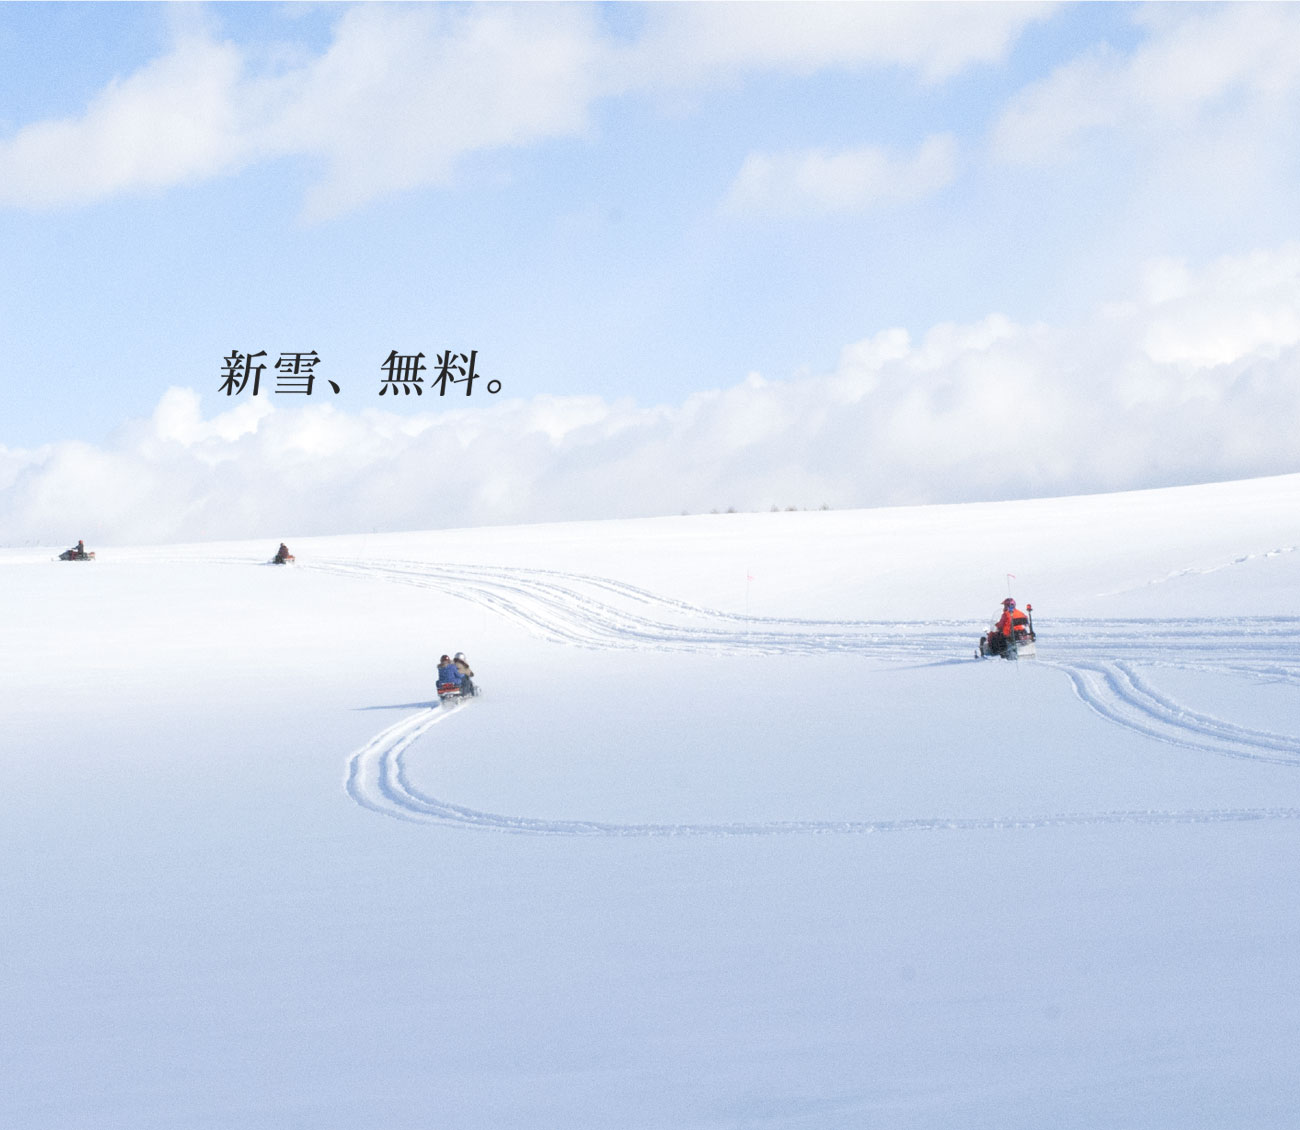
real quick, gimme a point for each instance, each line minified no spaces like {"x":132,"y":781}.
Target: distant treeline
{"x":773,"y":509}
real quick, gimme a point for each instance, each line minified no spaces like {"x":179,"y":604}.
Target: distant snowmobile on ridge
{"x":77,"y":553}
{"x":282,"y":555}
{"x":1012,"y":637}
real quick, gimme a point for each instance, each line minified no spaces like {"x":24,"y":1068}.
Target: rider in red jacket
{"x":1013,"y":624}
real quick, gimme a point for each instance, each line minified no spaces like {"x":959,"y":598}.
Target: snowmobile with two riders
{"x":455,"y":680}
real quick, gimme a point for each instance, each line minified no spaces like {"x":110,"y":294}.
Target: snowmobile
{"x":449,"y":694}
{"x":282,"y":556}
{"x":77,"y":553}
{"x":1019,"y":645}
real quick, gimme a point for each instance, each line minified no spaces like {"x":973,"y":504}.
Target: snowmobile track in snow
{"x":1102,"y":659}
{"x":378,"y":780}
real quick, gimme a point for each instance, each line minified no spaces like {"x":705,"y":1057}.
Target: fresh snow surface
{"x":710,"y":851}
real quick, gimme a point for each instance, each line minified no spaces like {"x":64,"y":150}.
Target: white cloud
{"x":178,"y":119}
{"x":821,"y":182}
{"x":179,"y":419}
{"x":1199,"y":64}
{"x":405,"y":92}
{"x":1196,"y":378}
{"x":686,"y":44}
{"x":1240,"y":307}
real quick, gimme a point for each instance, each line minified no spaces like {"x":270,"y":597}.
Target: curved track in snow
{"x":378,"y":780}
{"x":1105,"y":661}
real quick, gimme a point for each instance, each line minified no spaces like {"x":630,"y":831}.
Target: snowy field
{"x":710,"y":852}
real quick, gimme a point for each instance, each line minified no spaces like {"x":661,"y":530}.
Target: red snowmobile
{"x":77,"y":553}
{"x":450,"y":693}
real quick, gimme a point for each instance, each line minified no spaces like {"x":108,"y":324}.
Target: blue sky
{"x":627,"y":208}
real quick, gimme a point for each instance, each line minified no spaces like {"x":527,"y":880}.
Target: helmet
{"x":460,"y":655}
{"x":1008,"y":603}
{"x":445,"y":659}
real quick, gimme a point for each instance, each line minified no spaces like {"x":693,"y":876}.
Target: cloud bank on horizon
{"x":700,"y":175}
{"x":982,"y":411}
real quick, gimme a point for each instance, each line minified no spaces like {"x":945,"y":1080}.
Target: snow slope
{"x":711,"y":851}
